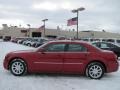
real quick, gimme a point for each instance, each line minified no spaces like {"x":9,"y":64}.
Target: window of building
{"x":1,"y":37}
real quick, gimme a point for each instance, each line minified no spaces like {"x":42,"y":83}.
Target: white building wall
{"x":16,"y":32}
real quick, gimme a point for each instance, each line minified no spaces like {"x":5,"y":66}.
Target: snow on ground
{"x":51,"y":82}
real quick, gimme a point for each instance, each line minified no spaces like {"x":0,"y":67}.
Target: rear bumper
{"x":113,"y":66}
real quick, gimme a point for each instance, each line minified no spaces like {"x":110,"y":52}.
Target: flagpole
{"x":77,"y":24}
{"x":77,"y":11}
{"x":28,"y":31}
{"x":44,"y":28}
{"x":44,"y":20}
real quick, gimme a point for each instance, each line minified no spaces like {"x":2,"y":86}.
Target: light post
{"x":28,"y":31}
{"x":44,"y":20}
{"x":77,"y":11}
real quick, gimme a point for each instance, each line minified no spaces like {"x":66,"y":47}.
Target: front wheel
{"x":95,"y":70}
{"x":18,"y":67}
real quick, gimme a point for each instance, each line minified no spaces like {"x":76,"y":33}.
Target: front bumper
{"x":6,"y":61}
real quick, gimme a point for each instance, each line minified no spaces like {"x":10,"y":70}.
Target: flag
{"x":72,"y":21}
{"x":28,"y":25}
{"x":41,"y":27}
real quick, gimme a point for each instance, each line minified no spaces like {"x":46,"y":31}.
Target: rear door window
{"x":55,"y":48}
{"x":76,"y":48}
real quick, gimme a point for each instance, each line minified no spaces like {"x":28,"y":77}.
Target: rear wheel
{"x":95,"y":70}
{"x":18,"y":67}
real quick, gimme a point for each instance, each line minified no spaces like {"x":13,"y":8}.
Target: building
{"x":14,"y":31}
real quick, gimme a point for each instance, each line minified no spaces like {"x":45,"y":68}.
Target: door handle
{"x":86,"y":55}
{"x":41,"y":52}
{"x":59,"y":55}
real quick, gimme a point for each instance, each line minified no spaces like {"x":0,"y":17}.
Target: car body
{"x":24,"y":40}
{"x":7,"y":38}
{"x":68,"y":57}
{"x":30,"y":42}
{"x":108,"y":46}
{"x":35,"y":42}
{"x":39,"y":42}
{"x":15,"y":40}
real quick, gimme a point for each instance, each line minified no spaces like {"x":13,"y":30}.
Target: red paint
{"x":64,"y":62}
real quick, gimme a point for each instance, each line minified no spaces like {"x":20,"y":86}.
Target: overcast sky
{"x":98,"y":14}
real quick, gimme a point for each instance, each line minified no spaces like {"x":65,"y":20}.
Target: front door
{"x":51,"y":59}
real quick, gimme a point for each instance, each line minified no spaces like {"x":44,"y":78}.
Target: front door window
{"x":55,"y":48}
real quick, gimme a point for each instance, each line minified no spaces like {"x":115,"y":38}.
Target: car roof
{"x":69,"y":41}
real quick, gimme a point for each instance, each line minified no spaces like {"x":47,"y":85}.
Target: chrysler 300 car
{"x":67,"y":57}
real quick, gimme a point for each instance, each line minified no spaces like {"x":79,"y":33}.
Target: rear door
{"x":75,"y":57}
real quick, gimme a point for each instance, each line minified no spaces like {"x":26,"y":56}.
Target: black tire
{"x":118,"y":56}
{"x":95,"y":70}
{"x":18,"y":67}
{"x":29,"y":44}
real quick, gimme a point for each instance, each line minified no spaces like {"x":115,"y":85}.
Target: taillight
{"x":113,"y":57}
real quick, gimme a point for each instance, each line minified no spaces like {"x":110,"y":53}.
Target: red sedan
{"x":68,"y":57}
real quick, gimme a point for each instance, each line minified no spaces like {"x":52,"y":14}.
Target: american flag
{"x":41,"y":27}
{"x":72,"y":21}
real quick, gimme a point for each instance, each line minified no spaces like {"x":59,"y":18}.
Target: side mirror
{"x":42,"y":50}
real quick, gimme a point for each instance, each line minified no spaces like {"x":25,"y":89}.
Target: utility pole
{"x":44,"y":20}
{"x":77,"y":11}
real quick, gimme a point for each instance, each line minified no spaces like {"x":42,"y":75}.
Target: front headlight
{"x":7,"y":56}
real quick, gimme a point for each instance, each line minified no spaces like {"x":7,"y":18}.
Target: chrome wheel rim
{"x":17,"y":67}
{"x":95,"y":71}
